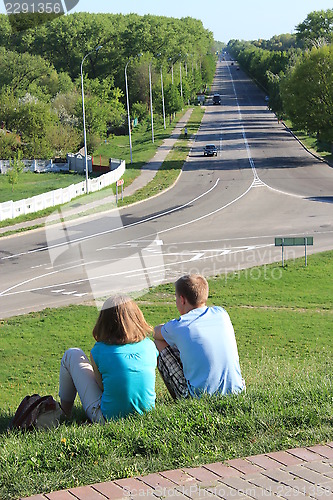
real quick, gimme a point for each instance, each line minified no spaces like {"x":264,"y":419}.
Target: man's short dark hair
{"x":194,"y":288}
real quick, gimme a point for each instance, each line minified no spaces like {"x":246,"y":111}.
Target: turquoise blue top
{"x":128,"y":375}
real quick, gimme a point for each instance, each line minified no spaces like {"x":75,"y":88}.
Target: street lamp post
{"x":128,"y":109}
{"x":180,"y":77}
{"x":163,"y":104}
{"x":170,"y":59}
{"x":128,"y":114}
{"x":84,"y":117}
{"x":151,"y":105}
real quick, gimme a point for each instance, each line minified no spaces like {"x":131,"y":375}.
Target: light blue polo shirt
{"x":128,"y":375}
{"x":206,"y":341}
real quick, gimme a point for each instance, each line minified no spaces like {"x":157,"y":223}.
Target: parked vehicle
{"x":210,"y":150}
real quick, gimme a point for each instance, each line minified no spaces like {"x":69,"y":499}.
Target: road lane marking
{"x":167,"y":267}
{"x":257,"y":182}
{"x":197,"y":256}
{"x":82,"y":264}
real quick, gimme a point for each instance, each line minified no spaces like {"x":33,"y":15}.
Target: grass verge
{"x":283,"y":328}
{"x":30,"y":184}
{"x":322,"y":149}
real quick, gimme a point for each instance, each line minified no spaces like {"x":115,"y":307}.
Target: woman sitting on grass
{"x":121,"y":376}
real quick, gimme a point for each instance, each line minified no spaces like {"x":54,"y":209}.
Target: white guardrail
{"x":12,"y":209}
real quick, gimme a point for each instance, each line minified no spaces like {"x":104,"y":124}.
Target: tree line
{"x":296,"y":71}
{"x":40,"y":84}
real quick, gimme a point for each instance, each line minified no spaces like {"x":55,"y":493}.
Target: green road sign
{"x":304,"y":241}
{"x":294,"y":242}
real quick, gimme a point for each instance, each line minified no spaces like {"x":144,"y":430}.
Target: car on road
{"x":210,"y":150}
{"x":216,"y":99}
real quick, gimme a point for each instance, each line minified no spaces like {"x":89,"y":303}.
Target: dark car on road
{"x":210,"y":150}
{"x":216,"y":99}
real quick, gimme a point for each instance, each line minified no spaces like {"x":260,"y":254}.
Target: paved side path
{"x":295,"y":473}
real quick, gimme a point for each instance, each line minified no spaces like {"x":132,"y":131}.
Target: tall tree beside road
{"x":316,"y":29}
{"x":307,"y":93}
{"x":299,"y":81}
{"x":173,"y":100}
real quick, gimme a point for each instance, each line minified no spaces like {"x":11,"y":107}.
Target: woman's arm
{"x":98,"y":376}
{"x":157,"y":332}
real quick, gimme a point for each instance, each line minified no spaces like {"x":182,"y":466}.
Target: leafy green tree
{"x":103,"y":107}
{"x":307,"y":92}
{"x":64,"y":139}
{"x":64,"y":105}
{"x":278,"y":43}
{"x":316,"y":29}
{"x":24,"y":72}
{"x":173,"y":100}
{"x":16,"y":166}
{"x":32,"y":119}
{"x":275,"y":99}
{"x":8,"y":103}
{"x":9,"y":144}
{"x":208,"y":68}
{"x":139,"y":110}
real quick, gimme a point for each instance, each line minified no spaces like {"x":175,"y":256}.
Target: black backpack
{"x":36,"y":412}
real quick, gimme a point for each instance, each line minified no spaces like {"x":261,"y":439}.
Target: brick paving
{"x":302,"y":473}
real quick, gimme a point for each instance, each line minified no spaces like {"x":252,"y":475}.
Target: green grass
{"x":31,"y":184}
{"x":320,"y":148}
{"x":283,"y":324}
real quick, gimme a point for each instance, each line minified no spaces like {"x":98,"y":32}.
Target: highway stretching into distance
{"x":221,"y":216}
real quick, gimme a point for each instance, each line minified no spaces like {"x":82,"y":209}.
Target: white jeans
{"x":77,"y":376}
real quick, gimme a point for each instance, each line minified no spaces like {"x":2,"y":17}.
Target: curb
{"x":294,"y":472}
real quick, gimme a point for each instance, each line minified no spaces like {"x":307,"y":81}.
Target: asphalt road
{"x":222,"y":215}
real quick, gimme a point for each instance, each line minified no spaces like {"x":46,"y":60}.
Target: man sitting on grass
{"x":198,"y":352}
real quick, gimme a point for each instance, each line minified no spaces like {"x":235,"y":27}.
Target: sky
{"x":240,"y":19}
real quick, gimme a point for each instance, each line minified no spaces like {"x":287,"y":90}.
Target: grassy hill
{"x":283,"y":324}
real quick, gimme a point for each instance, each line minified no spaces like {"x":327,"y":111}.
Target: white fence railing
{"x":36,"y":166}
{"x":12,"y":209}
